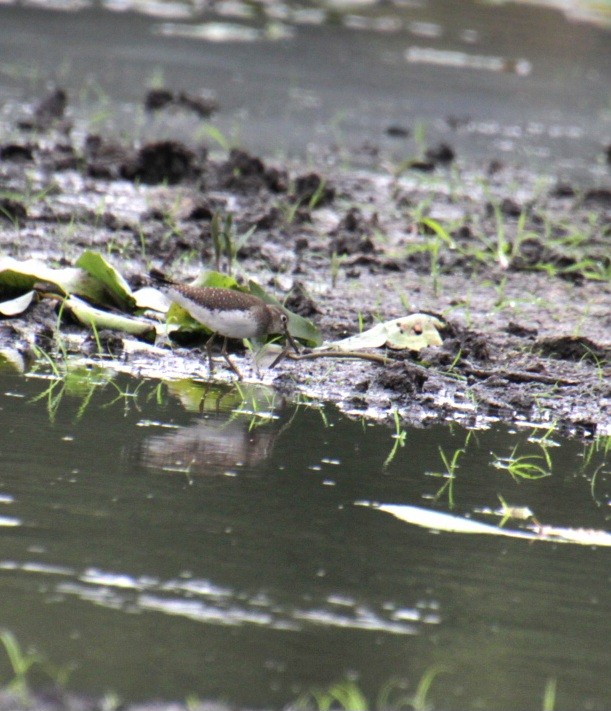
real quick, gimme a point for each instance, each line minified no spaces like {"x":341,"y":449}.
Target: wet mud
{"x":516,"y":265}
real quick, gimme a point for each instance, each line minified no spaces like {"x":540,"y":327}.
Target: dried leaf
{"x":409,"y":332}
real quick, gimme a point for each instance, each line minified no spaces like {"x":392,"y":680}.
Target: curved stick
{"x":373,"y":357}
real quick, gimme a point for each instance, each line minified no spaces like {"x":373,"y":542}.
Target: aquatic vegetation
{"x":69,"y":380}
{"x":399,"y":437}
{"x":393,"y":696}
{"x":215,"y":133}
{"x":23,"y":662}
{"x":526,"y":466}
{"x":549,"y":695}
{"x":508,"y":512}
{"x":451,"y":465}
{"x":127,"y":395}
{"x":344,"y":695}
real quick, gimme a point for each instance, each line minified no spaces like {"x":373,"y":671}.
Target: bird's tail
{"x":160,"y":277}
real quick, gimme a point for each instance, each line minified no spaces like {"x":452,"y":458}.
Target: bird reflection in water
{"x":237,"y":428}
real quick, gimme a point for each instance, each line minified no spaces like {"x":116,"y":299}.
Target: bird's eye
{"x":284,"y":318}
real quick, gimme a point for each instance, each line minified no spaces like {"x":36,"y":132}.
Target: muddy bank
{"x":516,"y":265}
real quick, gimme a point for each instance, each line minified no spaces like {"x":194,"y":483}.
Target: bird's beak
{"x":290,"y":339}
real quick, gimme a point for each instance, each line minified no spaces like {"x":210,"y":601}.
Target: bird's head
{"x":280,"y":324}
{"x":280,"y":321}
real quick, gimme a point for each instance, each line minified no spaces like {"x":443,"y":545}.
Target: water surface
{"x":166,"y":551}
{"x":511,"y":82}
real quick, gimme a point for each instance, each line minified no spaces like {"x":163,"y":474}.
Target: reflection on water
{"x":317,"y":13}
{"x":203,"y":601}
{"x":238,"y":428}
{"x":220,"y":535}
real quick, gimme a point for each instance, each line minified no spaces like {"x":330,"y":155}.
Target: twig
{"x":373,"y":357}
{"x":516,"y":376}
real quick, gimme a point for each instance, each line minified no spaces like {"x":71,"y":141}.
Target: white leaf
{"x":412,"y":332}
{"x":18,"y":305}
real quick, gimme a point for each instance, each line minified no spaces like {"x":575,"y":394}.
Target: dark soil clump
{"x":12,"y":210}
{"x":157,"y":99}
{"x":404,"y":377}
{"x":573,"y":348}
{"x":48,"y":111}
{"x":441,"y":153}
{"x":353,"y":235}
{"x":313,"y":187}
{"x":248,"y":173}
{"x":162,"y":162}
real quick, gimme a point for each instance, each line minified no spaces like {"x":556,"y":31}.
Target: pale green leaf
{"x":177,"y":316}
{"x":12,"y":358}
{"x":68,"y":280}
{"x":409,"y":332}
{"x":150,"y":298}
{"x":416,"y":332}
{"x":96,"y":318}
{"x":16,"y":306}
{"x":119,"y":291}
{"x":216,"y":280}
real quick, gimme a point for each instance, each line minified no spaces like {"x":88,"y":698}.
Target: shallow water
{"x":227,"y":553}
{"x":512,"y":83}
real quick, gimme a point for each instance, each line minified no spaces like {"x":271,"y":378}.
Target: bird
{"x":227,"y":313}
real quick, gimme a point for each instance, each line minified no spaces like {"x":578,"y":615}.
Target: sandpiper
{"x":228,"y":313}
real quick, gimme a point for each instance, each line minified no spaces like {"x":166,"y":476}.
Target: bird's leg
{"x":228,"y":359}
{"x":209,"y":343}
{"x":202,"y":401}
{"x":281,"y":356}
{"x":255,"y":363}
{"x":217,"y":400}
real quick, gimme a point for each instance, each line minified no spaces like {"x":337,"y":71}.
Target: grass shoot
{"x":399,"y":437}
